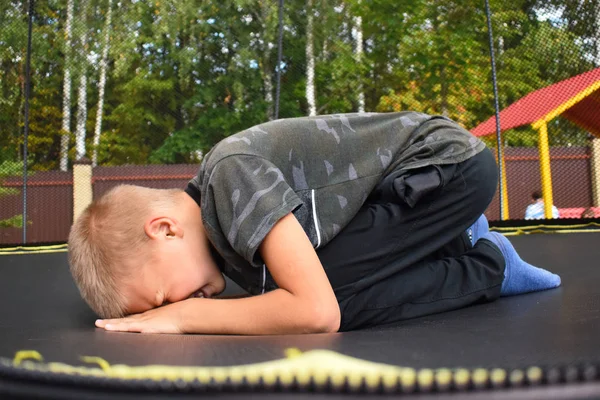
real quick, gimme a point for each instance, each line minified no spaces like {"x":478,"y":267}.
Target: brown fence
{"x":50,"y":197}
{"x":49,"y":207}
{"x":50,"y":194}
{"x":571,"y":179}
{"x":154,"y":176}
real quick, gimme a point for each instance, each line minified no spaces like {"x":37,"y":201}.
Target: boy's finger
{"x":101,"y":323}
{"x":123,"y":327}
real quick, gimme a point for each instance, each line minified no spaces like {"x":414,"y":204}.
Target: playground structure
{"x":576,"y":99}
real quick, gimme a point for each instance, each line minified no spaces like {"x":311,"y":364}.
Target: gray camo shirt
{"x":320,"y":168}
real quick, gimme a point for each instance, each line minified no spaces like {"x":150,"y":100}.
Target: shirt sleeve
{"x":246,"y":196}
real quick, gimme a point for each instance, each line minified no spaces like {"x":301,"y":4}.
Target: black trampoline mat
{"x":41,"y":310}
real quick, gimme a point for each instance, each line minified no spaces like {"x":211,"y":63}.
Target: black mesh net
{"x":127,"y":91}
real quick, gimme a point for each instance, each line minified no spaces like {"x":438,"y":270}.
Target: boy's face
{"x":179,"y":265}
{"x":174,"y":276}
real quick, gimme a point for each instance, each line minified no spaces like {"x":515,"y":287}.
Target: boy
{"x":330,"y":223}
{"x":536,"y":210}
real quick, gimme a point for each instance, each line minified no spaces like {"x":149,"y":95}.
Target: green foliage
{"x":7,"y":169}
{"x":10,"y":168}
{"x":184,"y":74}
{"x":13,"y":222}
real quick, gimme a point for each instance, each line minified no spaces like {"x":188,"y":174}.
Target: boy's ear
{"x":162,"y":228}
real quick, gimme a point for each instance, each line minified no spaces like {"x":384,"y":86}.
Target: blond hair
{"x":105,"y":238}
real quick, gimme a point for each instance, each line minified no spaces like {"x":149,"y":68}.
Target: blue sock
{"x":519,"y":276}
{"x":478,"y":229}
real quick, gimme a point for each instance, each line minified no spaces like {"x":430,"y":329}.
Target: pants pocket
{"x":412,"y":186}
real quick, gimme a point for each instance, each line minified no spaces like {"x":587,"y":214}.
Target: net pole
{"x":279,"y":56}
{"x":496,"y":107}
{"x":26,"y":116}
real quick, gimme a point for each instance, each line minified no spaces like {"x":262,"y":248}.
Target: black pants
{"x":406,"y":253}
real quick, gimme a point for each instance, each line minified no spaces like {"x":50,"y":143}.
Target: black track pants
{"x":406,"y":253}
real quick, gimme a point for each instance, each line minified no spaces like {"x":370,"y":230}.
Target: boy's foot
{"x":478,"y":229}
{"x":519,"y":276}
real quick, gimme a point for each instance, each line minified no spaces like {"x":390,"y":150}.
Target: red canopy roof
{"x":576,"y":98}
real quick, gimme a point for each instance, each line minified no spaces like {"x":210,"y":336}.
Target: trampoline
{"x":538,"y":345}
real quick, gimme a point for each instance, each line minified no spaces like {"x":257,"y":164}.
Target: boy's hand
{"x":158,"y":320}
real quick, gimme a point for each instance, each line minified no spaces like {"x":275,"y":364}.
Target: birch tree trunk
{"x":266,"y":65}
{"x":310,"y":61}
{"x":358,"y":52}
{"x":82,"y":91}
{"x":66,"y":111}
{"x":102,"y":83}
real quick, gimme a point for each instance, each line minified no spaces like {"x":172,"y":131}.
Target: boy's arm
{"x":303,"y":303}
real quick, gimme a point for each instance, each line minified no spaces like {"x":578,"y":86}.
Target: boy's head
{"x":137,"y":248}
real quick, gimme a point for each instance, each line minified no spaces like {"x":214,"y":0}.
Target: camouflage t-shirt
{"x":320,"y":168}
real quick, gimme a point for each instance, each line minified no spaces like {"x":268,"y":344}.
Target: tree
{"x":167,"y":80}
{"x":66,"y":110}
{"x":102,"y":83}
{"x":232,"y":89}
{"x":268,"y":19}
{"x":46,"y":79}
{"x":13,"y":39}
{"x":358,"y":37}
{"x":310,"y":61}
{"x":80,"y":130}
{"x":439,"y":68}
{"x":578,"y":17}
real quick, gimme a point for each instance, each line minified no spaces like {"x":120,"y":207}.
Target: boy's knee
{"x":480,"y":174}
{"x":489,"y":170}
